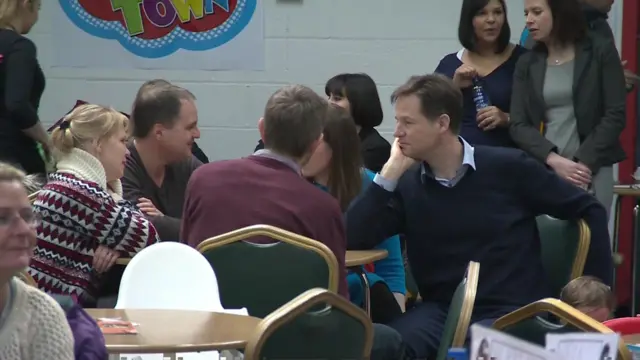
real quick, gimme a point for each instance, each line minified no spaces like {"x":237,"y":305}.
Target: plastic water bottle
{"x":480,"y":97}
{"x":458,"y":354}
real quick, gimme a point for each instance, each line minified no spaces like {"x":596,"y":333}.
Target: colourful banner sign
{"x":157,"y":28}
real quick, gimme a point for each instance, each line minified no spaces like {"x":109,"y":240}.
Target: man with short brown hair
{"x":267,"y":187}
{"x":457,"y":203}
{"x":165,"y":126}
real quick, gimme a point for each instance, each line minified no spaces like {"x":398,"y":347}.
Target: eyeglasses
{"x":8,"y":218}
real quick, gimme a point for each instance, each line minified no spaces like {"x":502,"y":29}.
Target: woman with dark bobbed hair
{"x":359,"y":95}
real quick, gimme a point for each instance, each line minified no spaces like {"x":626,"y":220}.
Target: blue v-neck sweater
{"x":489,"y":217}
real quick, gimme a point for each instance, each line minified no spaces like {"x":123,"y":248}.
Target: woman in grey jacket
{"x":568,"y":101}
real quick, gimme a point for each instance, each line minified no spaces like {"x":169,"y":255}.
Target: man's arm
{"x":546,"y":193}
{"x":168,"y":227}
{"x":374,"y":216}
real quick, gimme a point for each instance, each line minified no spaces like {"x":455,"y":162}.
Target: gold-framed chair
{"x":278,"y":272}
{"x":564,"y":248}
{"x":527,"y":324}
{"x":460,"y":311}
{"x":26,"y":278}
{"x":296,"y":330}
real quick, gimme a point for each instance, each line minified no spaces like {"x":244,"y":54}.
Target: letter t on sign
{"x":131,"y":14}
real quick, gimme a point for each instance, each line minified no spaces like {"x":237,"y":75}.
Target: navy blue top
{"x":497,"y":85}
{"x":489,"y":216}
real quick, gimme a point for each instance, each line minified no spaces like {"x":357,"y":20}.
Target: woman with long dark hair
{"x":336,"y":167}
{"x":486,"y":62}
{"x":568,"y":103}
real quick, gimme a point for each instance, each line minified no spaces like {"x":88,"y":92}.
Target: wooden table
{"x":363,"y":257}
{"x":353,"y":258}
{"x":631,"y":339}
{"x":171,"y":331}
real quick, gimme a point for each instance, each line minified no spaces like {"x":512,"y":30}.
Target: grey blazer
{"x":598,"y":99}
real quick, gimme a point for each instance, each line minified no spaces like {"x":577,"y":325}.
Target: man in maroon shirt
{"x":266,"y":187}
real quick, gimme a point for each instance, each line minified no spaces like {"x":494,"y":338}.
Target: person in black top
{"x":358,"y":94}
{"x":21,"y":86}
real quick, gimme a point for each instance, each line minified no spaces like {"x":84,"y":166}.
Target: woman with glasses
{"x":32,"y":324}
{"x":86,"y":225}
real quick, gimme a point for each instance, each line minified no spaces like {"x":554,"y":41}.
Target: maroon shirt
{"x":227,"y":195}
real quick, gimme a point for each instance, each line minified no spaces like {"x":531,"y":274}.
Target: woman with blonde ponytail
{"x":86,"y":225}
{"x":22,"y":83}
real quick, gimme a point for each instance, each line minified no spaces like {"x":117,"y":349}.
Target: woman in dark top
{"x":489,"y":57}
{"x":21,"y":86}
{"x":359,"y":95}
{"x":569,"y":98}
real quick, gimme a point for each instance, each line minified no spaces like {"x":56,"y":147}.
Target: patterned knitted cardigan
{"x":79,"y":214}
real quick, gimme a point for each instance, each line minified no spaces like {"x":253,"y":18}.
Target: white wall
{"x":307,"y":42}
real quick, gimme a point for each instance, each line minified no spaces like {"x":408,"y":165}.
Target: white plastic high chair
{"x":171,"y":276}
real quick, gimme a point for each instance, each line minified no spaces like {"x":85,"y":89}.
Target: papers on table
{"x":584,"y":346}
{"x":490,"y":344}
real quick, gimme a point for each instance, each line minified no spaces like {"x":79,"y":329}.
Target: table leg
{"x":616,"y":231}
{"x":365,"y":284}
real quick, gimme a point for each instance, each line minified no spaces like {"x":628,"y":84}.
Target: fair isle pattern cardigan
{"x":79,"y":214}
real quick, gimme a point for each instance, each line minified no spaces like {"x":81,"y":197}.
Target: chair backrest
{"x":460,"y":311}
{"x":564,"y":248}
{"x":171,"y":276}
{"x":263,"y":277}
{"x":340,"y":330}
{"x":526,"y":323}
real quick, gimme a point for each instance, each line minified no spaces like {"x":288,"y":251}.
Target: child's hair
{"x":588,"y":291}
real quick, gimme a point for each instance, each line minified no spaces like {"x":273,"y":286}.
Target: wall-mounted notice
{"x":160,"y":34}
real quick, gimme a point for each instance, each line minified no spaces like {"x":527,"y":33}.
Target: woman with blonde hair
{"x":86,"y":225}
{"x":32,"y":324}
{"x":21,"y":86}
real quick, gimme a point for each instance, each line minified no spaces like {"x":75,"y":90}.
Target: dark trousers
{"x":384,"y":306}
{"x":421,"y":327}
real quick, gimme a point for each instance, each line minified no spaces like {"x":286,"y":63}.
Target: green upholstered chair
{"x":460,"y":310}
{"x":318,"y":324}
{"x":565,"y":245}
{"x":526,"y":323}
{"x":263,"y":277}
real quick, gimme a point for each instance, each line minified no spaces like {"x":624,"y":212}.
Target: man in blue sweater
{"x":456,"y":203}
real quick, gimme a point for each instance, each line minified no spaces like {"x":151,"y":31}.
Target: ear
{"x":445,"y":123}
{"x":158,"y":131}
{"x":261,"y":129}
